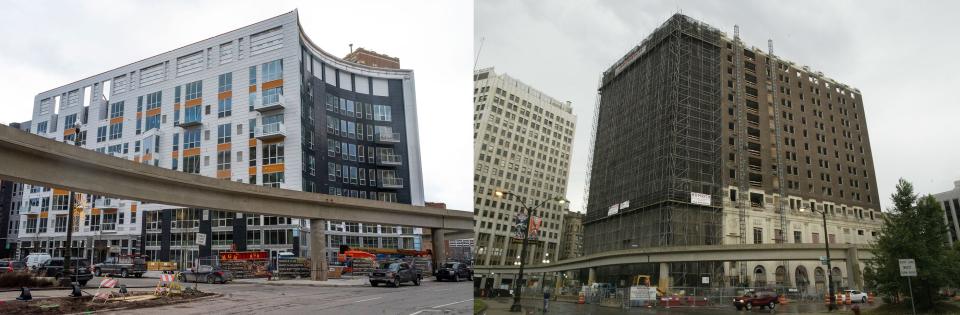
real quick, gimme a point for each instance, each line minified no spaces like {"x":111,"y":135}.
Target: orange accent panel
{"x":223,"y":174}
{"x":273,"y":168}
{"x":59,"y":191}
{"x":272,"y":84}
{"x":69,"y":131}
{"x":116,"y":120}
{"x":223,"y":147}
{"x":175,"y":154}
{"x":147,"y":157}
{"x":176,"y":106}
{"x":274,"y":140}
{"x":153,"y":112}
{"x":252,"y":170}
{"x":225,"y":94}
{"x":194,"y":102}
{"x":253,"y":88}
{"x":136,"y":159}
{"x":139,"y":114}
{"x":191,"y":152}
{"x":133,"y":208}
{"x":95,"y":211}
{"x":44,"y":214}
{"x":252,"y":142}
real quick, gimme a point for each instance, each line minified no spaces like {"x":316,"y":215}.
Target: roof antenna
{"x":351,"y":47}
{"x":736,"y":32}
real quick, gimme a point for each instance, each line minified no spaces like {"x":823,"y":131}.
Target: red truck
{"x":760,"y":299}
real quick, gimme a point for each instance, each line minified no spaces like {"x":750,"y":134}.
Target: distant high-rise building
{"x":701,"y":140}
{"x":571,"y":243}
{"x":522,"y":142}
{"x":372,"y":58}
{"x":951,"y":211}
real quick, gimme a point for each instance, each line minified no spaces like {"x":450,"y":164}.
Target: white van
{"x":36,"y":259}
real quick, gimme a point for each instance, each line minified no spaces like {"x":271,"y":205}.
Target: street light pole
{"x":826,"y":244}
{"x":518,"y":286}
{"x":72,"y":206}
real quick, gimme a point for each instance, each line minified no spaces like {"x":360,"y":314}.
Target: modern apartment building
{"x":703,"y":140}
{"x":571,"y":243}
{"x":522,"y":142}
{"x":951,"y":211}
{"x":261,"y":105}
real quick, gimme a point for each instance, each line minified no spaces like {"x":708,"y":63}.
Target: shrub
{"x":22,"y":279}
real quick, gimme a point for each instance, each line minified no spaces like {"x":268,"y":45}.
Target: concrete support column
{"x":853,"y":268}
{"x":439,"y":248}
{"x":592,"y":276}
{"x":663,"y":282}
{"x":318,"y":250}
{"x":558,"y":279}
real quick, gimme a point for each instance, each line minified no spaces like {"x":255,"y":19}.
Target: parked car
{"x":759,"y":299}
{"x":855,"y":295}
{"x":206,"y":273}
{"x":395,"y":273}
{"x":124,"y":266}
{"x":80,"y":270}
{"x":34,"y":260}
{"x":454,"y":271}
{"x":10,"y":265}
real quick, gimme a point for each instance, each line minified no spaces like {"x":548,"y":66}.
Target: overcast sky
{"x":51,"y":43}
{"x":901,"y":55}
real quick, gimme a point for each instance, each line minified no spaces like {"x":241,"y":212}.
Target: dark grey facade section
{"x":658,"y":141}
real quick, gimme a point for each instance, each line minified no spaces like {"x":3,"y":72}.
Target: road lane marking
{"x":370,"y":299}
{"x":439,"y":306}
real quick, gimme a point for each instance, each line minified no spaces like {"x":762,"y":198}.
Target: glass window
{"x":223,"y":133}
{"x":272,"y":70}
{"x":225,"y":107}
{"x":225,"y":82}
{"x":191,"y":139}
{"x":253,"y":75}
{"x":195,"y":90}
{"x":153,"y":100}
{"x":272,"y":153}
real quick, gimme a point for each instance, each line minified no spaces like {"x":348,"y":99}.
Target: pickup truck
{"x":205,"y":273}
{"x":80,"y":272}
{"x":123,"y":266}
{"x":394,"y":273}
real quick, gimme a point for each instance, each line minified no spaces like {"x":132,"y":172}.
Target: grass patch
{"x":943,"y":307}
{"x":478,"y":306}
{"x":22,"y":279}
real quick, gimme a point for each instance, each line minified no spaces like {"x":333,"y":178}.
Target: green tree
{"x":913,"y":228}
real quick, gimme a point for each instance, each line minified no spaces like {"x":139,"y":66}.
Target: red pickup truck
{"x":761,"y":299}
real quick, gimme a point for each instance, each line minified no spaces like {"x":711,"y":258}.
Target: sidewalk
{"x":346,"y":282}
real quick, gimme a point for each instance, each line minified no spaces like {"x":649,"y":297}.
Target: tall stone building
{"x":571,"y":243}
{"x":703,"y":140}
{"x":951,"y":211}
{"x":522,"y":142}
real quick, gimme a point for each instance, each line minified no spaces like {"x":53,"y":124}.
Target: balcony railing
{"x":390,"y":159}
{"x":391,"y":182}
{"x":388,"y":137}
{"x":106,"y":203}
{"x":270,"y":131}
{"x":268,"y":102}
{"x":192,"y":117}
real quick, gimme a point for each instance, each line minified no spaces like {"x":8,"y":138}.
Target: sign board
{"x":206,"y":215}
{"x":823,"y":260}
{"x":613,"y":209}
{"x":705,"y":280}
{"x":908,"y":268}
{"x":643,"y":293}
{"x":251,"y":255}
{"x":624,"y":205}
{"x":699,"y":199}
{"x":201,"y":239}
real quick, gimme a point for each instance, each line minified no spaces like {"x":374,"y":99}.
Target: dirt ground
{"x":68,"y":305}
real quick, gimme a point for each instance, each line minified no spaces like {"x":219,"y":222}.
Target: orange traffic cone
{"x":826,"y":299}
{"x":581,"y":299}
{"x":848,"y":300}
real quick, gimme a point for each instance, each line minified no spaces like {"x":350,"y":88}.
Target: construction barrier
{"x":826,"y":299}
{"x":782,"y":300}
{"x":582,"y":298}
{"x":848,"y":300}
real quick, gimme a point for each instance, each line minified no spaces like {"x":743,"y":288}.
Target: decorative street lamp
{"x":524,"y":233}
{"x":826,"y":244}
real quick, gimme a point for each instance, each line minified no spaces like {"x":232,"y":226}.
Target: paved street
{"x":500,"y":306}
{"x":428,"y":298}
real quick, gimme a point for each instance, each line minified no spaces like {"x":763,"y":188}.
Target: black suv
{"x":394,"y":273}
{"x":80,"y":270}
{"x":454,"y":271}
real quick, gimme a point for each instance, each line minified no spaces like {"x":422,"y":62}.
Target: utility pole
{"x":73,"y":206}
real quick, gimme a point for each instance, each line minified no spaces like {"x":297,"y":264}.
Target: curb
{"x":301,"y":284}
{"x":145,"y":308}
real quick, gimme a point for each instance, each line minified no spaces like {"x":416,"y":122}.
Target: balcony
{"x":270,"y":131}
{"x":268,"y":103}
{"x":192,"y":117}
{"x":391,"y":182}
{"x":390,"y":159}
{"x":107,"y":203}
{"x":387,"y":137}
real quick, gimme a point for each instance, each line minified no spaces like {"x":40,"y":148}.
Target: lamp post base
{"x":515,"y":307}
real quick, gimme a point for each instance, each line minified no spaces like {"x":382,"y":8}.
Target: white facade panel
{"x":362,"y":84}
{"x":345,"y":82}
{"x":380,"y":87}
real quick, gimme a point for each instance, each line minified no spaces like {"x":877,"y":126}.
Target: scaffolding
{"x":742,"y":180}
{"x":657,"y":142}
{"x":773,"y":66}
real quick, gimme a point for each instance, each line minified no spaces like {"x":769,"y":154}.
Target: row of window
{"x":357,"y":109}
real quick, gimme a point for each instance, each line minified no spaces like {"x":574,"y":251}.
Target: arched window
{"x":781,"y":275}
{"x":760,"y":276}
